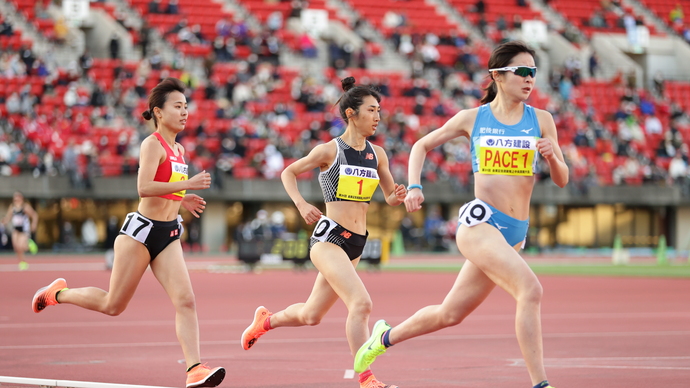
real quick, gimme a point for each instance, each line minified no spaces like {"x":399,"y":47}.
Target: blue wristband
{"x":410,"y":187}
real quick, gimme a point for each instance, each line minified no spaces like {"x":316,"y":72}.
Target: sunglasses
{"x":522,"y":71}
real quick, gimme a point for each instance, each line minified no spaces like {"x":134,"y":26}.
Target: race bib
{"x":18,"y":220}
{"x":474,"y":213}
{"x":137,"y":227}
{"x":500,"y":155}
{"x":357,"y":183}
{"x":323,"y":228}
{"x":179,"y":173}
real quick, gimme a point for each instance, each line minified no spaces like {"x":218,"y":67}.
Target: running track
{"x":598,"y":332}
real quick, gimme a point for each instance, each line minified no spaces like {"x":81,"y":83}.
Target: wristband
{"x":410,"y":187}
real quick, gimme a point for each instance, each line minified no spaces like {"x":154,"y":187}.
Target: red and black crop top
{"x":174,"y":169}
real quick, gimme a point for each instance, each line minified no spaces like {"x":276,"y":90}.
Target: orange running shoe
{"x":202,"y":376}
{"x":256,"y":329}
{"x":46,"y":296}
{"x":371,"y":382}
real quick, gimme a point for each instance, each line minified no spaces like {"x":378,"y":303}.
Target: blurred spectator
{"x":6,"y":28}
{"x":114,"y":46}
{"x":678,"y":170}
{"x":676,"y":17}
{"x":659,"y":83}
{"x":392,"y":19}
{"x":41,"y":10}
{"x":652,"y":125}
{"x":61,"y":30}
{"x":144,"y":38}
{"x":173,"y":8}
{"x":479,"y":7}
{"x":501,"y":23}
{"x":597,"y":19}
{"x":274,"y":22}
{"x":89,"y":233}
{"x":434,"y":228}
{"x":593,"y":64}
{"x":517,"y":22}
{"x":155,"y":6}
{"x":85,"y":62}
{"x":307,"y":46}
{"x":273,"y":162}
{"x":13,"y":103}
{"x":296,"y":7}
{"x":223,"y":28}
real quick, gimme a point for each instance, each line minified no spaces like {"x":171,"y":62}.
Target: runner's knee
{"x":114,"y":310}
{"x":451,"y":317}
{"x":361,"y":306}
{"x":312,"y":318}
{"x":185,"y":301}
{"x":532,"y":293}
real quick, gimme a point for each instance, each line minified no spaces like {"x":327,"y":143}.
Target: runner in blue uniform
{"x":506,"y":136}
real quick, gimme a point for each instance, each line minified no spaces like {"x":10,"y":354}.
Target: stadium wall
{"x":566,"y":216}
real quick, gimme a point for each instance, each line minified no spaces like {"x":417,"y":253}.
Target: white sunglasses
{"x":522,"y":71}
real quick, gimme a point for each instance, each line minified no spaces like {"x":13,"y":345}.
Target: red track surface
{"x":603,"y":332}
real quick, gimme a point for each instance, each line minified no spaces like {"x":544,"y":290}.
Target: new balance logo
{"x":369,"y":156}
{"x":346,"y":234}
{"x":174,"y":233}
{"x":527,"y":131}
{"x":500,"y":227}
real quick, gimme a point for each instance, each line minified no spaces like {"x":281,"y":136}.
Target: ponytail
{"x":491,"y":93}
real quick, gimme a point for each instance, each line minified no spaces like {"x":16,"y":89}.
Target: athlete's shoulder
{"x":544,"y":116}
{"x":463,"y":121}
{"x":469,"y":114}
{"x":322,"y":150}
{"x":152,"y":146}
{"x":150,"y":139}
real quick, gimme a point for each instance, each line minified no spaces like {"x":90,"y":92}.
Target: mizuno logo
{"x":527,"y":131}
{"x":501,"y":227}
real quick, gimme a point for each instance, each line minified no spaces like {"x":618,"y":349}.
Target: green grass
{"x":642,"y":270}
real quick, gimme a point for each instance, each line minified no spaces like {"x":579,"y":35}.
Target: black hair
{"x":354,"y":96}
{"x":159,"y":95}
{"x":501,"y":57}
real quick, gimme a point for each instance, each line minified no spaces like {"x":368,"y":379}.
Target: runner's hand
{"x":194,"y":204}
{"x":309,"y":212}
{"x":400,"y":192}
{"x":545,"y":148}
{"x":200,"y":181}
{"x":413,"y":200}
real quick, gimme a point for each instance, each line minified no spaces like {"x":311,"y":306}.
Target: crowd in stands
{"x":251,"y":116}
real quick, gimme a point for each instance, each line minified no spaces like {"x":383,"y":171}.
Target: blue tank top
{"x":500,"y":149}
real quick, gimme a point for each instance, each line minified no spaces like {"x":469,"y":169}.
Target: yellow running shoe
{"x":371,"y":382}
{"x":33,"y":248}
{"x":23,"y":265}
{"x":256,"y":329}
{"x":372,"y":348}
{"x":203,"y":376}
{"x":46,"y":296}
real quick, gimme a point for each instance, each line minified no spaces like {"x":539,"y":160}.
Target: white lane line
{"x":67,"y":383}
